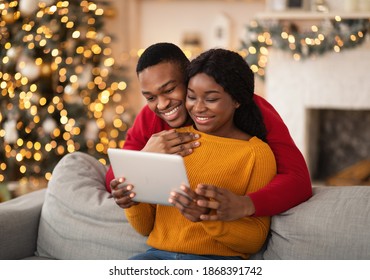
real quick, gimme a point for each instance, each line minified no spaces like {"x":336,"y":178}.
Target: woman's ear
{"x":236,"y":105}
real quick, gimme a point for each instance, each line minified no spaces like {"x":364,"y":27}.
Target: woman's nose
{"x":199,"y":106}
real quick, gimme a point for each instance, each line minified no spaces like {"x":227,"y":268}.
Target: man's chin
{"x":176,"y":123}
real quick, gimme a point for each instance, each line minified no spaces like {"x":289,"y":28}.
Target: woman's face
{"x":211,"y":108}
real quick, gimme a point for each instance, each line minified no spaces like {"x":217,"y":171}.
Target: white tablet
{"x":153,"y":175}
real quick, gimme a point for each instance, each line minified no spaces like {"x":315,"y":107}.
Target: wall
{"x":170,"y":20}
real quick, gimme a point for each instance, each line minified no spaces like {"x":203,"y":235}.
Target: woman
{"x":233,"y":156}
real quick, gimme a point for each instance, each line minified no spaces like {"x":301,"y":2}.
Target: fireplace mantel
{"x":331,"y":81}
{"x":308,"y":15}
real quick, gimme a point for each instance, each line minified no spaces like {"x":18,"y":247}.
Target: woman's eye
{"x":211,"y":100}
{"x":190,"y":97}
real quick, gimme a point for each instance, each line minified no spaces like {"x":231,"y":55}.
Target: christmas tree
{"x":60,"y":89}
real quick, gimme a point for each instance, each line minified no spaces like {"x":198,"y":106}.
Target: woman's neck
{"x":233,"y":134}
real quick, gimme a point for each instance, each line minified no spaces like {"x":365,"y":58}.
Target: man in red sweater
{"x":162,"y":76}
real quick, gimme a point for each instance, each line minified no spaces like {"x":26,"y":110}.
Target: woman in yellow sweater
{"x":234,"y":156}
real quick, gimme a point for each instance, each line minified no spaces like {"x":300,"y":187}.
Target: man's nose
{"x":163,"y":102}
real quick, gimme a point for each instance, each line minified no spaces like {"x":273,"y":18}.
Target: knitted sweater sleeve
{"x":142,"y":217}
{"x":247,"y":235}
{"x":292,"y":184}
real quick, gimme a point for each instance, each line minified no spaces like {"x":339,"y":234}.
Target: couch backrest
{"x":333,"y":224}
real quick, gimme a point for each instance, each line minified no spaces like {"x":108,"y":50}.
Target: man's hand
{"x":172,"y":142}
{"x":122,"y":194}
{"x":228,"y":206}
{"x":187,"y":205}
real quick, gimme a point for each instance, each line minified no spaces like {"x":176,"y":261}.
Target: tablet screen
{"x":153,"y":175}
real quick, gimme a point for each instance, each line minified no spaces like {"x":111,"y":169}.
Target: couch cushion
{"x":333,"y":224}
{"x":79,"y":220}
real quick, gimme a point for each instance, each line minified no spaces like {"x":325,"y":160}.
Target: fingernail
{"x":129,"y":187}
{"x":196,"y":136}
{"x":120,"y":180}
{"x":196,"y":144}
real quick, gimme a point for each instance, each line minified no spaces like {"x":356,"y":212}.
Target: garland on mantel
{"x":331,"y":35}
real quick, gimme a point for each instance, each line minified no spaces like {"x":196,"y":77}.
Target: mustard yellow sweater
{"x":240,"y":166}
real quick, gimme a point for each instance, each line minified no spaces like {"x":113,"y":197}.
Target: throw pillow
{"x":79,"y":220}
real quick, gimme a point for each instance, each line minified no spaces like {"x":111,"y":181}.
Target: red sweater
{"x":291,"y":185}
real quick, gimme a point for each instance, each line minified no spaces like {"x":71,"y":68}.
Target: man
{"x":161,"y":72}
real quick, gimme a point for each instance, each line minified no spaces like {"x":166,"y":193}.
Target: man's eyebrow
{"x":166,"y":84}
{"x":161,"y":87}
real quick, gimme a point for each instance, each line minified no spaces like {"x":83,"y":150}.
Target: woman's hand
{"x":122,"y":194}
{"x":227,"y":205}
{"x":172,"y":142}
{"x":187,"y":205}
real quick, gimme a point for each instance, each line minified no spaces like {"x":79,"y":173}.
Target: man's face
{"x":163,"y":87}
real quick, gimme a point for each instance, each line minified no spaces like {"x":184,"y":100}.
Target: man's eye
{"x":150,"y":99}
{"x":169,"y":90}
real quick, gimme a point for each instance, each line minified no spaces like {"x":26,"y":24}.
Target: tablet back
{"x":153,"y":175}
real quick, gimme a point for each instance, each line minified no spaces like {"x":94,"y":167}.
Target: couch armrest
{"x":19,"y":222}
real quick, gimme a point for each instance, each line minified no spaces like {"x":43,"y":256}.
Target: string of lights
{"x":330,"y":36}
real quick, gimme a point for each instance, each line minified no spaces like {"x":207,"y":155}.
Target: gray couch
{"x":74,"y":218}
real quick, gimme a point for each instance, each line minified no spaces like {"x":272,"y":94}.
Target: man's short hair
{"x":162,"y":52}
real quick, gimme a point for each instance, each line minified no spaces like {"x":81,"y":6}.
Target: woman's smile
{"x":202,"y":119}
